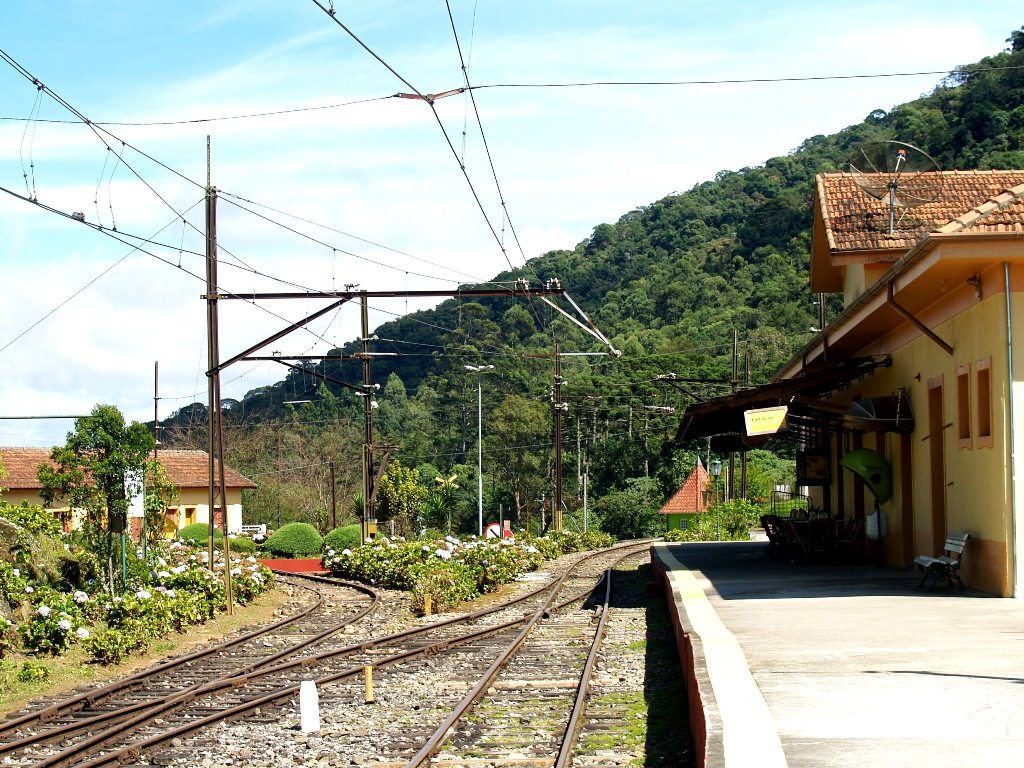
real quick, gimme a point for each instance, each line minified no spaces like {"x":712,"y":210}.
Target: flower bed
{"x":452,"y":570}
{"x":181,"y":592}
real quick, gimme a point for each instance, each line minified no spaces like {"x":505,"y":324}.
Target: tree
{"x":399,"y":497}
{"x":517,"y":428}
{"x":161,"y":493}
{"x":98,"y":470}
{"x":632,"y":513}
{"x":439,"y":503}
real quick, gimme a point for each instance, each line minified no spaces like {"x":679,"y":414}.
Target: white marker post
{"x":309,"y":707}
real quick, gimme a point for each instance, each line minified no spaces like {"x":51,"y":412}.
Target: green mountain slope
{"x":669,"y":283}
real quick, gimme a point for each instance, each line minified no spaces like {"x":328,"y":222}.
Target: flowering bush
{"x":185,"y":592}
{"x":451,"y":570}
{"x":179,"y":592}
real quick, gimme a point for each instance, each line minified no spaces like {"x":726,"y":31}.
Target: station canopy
{"x":809,"y":418}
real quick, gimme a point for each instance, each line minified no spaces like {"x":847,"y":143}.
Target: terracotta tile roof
{"x":691,"y":497}
{"x":982,"y":201}
{"x":190,"y":469}
{"x":186,"y":469}
{"x":22,"y":466}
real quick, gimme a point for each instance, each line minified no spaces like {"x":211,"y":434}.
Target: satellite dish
{"x":900,"y":173}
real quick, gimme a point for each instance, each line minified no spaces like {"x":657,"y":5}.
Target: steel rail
{"x":441,"y":733}
{"x":91,"y":698}
{"x":569,"y":740}
{"x":73,"y":755}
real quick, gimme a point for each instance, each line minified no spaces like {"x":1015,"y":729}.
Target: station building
{"x":925,"y":365}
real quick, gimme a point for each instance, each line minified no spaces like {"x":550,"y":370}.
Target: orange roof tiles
{"x":691,"y":498}
{"x":982,"y":201}
{"x":22,"y":465}
{"x":185,"y":468}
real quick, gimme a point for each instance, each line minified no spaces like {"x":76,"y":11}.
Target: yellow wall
{"x":978,"y":478}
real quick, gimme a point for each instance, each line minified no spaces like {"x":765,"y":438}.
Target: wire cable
{"x":429,"y":100}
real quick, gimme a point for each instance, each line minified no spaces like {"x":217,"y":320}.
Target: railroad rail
{"x":129,"y":730}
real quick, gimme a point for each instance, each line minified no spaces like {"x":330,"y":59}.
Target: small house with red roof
{"x":188,"y":470}
{"x":689,"y":501}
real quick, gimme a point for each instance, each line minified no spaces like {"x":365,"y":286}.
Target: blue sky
{"x":380,"y":170}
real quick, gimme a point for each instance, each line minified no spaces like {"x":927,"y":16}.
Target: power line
{"x":429,"y":100}
{"x":740,"y":80}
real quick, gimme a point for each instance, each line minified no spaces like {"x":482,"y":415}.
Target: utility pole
{"x":215,"y":441}
{"x":556,"y":514}
{"x":334,"y":498}
{"x":369,"y":521}
{"x":734,"y":381}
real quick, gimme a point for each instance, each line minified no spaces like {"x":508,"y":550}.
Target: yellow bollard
{"x":368,"y":693}
{"x":426,"y":605}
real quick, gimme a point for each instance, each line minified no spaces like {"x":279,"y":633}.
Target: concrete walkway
{"x":837,"y":666}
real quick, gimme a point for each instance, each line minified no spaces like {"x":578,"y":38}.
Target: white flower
{"x":236,"y":571}
{"x":82,"y":633}
{"x":80,"y":597}
{"x":346,"y":552}
{"x":257,"y":578}
{"x":164,"y":575}
{"x":29,"y":590}
{"x":425,"y":548}
{"x":330,"y":553}
{"x":169,"y":593}
{"x":368,"y":540}
{"x":16,"y":571}
{"x":143,"y":595}
{"x":161,"y":561}
{"x":64,"y":624}
{"x":179,"y":569}
{"x":444,"y":554}
{"x":43,"y":610}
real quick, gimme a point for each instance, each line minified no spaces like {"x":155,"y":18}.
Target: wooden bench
{"x":947,"y":565}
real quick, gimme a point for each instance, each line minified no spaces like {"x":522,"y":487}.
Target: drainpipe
{"x":1015,"y":566}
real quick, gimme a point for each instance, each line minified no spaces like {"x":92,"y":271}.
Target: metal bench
{"x":947,"y":565}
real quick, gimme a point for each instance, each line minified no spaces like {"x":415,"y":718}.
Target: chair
{"x":850,"y":537}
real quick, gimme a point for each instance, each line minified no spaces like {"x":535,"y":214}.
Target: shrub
{"x":295,"y":540}
{"x":243,"y":545}
{"x":32,"y":517}
{"x":447,"y":583}
{"x":199,"y":534}
{"x":31,"y":671}
{"x":346,"y":537}
{"x":112,"y":646}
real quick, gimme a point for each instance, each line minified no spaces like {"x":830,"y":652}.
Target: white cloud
{"x":567,"y":159}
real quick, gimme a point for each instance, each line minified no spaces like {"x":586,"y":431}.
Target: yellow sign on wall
{"x":765,"y":421}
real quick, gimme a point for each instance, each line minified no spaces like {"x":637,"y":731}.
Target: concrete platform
{"x":810,"y":666}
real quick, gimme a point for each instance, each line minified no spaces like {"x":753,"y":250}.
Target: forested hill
{"x":668,"y":282}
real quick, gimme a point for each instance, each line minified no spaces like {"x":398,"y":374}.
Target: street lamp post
{"x":716,"y":470}
{"x":478,"y":370}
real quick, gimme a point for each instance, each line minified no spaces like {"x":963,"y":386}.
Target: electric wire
{"x":476,"y":280}
{"x":430,"y":102}
{"x":498,"y":86}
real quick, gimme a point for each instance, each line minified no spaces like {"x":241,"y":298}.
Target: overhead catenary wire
{"x":539,"y":85}
{"x":429,"y":100}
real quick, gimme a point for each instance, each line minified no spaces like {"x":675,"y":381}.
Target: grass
{"x":74,"y":669}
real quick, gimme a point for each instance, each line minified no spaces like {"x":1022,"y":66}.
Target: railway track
{"x":330,"y":607}
{"x":450,"y":650}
